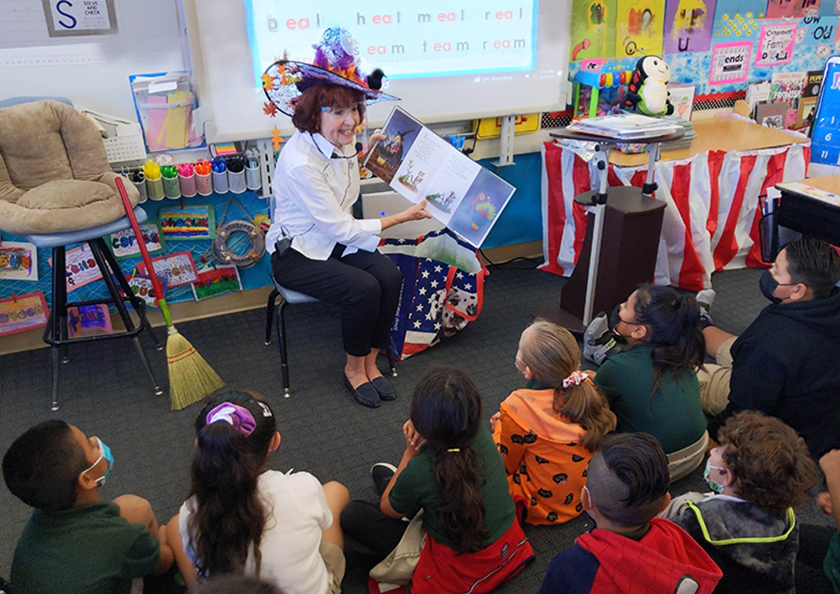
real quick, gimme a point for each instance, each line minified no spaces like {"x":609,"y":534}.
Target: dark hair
{"x":770,"y":462}
{"x":229,"y":514}
{"x":814,"y":263}
{"x":552,"y":353}
{"x":42,"y":466}
{"x":673,"y":320}
{"x":628,"y":478}
{"x":308,"y":110}
{"x":446,"y":411}
{"x":234,"y":584}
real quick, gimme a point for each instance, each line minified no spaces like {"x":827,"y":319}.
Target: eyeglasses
{"x":342,"y":112}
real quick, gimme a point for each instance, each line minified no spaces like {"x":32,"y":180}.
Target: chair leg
{"x":59,"y":289}
{"x":96,"y":250}
{"x":391,"y":363}
{"x":138,"y":304}
{"x":284,"y":350}
{"x":269,"y":315}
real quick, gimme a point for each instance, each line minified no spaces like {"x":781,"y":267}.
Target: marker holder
{"x":171,"y":187}
{"x":204,"y":184}
{"x":188,"y":185}
{"x":155,"y":189}
{"x":237,"y":181}
{"x":140,"y":184}
{"x":220,"y":182}
{"x":252,"y":177}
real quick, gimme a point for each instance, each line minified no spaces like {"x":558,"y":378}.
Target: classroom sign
{"x":775,"y":44}
{"x":730,"y":62}
{"x":81,"y":17}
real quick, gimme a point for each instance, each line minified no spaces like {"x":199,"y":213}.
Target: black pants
{"x":366,"y":285}
{"x":366,"y":524}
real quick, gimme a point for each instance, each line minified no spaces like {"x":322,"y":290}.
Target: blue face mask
{"x":104,"y":452}
{"x":716,"y":487}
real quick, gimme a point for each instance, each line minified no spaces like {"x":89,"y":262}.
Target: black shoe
{"x":384,"y":388}
{"x":381,"y":473}
{"x":366,"y":394}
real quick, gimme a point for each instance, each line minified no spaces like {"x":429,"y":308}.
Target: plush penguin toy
{"x":647,"y":92}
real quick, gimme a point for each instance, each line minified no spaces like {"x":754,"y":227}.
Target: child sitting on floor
{"x":760,"y":471}
{"x":547,"y":432}
{"x":73,"y":542}
{"x":630,"y":550}
{"x":452,"y":471}
{"x":243,"y":518}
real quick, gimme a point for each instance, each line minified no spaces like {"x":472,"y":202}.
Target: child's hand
{"x":824,"y":502}
{"x":495,"y":419}
{"x":413,"y":440}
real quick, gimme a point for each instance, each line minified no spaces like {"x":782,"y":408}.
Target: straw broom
{"x":190,"y":377}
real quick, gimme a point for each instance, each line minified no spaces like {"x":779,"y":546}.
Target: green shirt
{"x":82,"y":550}
{"x":672,"y":414}
{"x":416,"y":489}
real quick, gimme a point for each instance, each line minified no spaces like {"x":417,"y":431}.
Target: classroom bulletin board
{"x":718,"y":46}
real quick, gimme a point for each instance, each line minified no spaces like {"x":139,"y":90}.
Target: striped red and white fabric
{"x":710,"y":223}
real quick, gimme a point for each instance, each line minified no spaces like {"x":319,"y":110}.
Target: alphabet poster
{"x":593,"y":24}
{"x":730,"y":62}
{"x":688,"y":25}
{"x":22,"y":313}
{"x":639,"y":26}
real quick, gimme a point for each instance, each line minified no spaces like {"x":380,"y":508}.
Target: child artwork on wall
{"x":792,"y":9}
{"x":738,"y":20}
{"x":124,"y":245}
{"x":216,"y":280}
{"x":593,"y":23}
{"x":639,"y":25}
{"x":688,"y":25}
{"x":81,"y":267}
{"x":176,"y":269}
{"x":188,"y":223}
{"x":18,"y":261}
{"x":23,"y":312}
{"x":142,"y":286}
{"x":89,"y":320}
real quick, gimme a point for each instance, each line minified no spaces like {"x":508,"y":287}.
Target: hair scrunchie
{"x":238,"y":416}
{"x":575,"y":378}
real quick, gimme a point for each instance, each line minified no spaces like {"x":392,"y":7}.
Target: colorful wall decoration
{"x":688,"y":25}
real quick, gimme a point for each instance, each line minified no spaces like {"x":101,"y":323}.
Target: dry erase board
{"x":450,"y":60}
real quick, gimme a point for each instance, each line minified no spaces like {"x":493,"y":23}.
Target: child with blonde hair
{"x":548,"y":431}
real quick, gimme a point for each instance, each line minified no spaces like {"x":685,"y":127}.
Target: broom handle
{"x":129,"y":212}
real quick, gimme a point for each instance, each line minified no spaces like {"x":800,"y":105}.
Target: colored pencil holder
{"x":236,"y":180}
{"x":252,"y":178}
{"x":141,"y":187}
{"x":220,"y":182}
{"x":188,"y":186}
{"x":204,"y":184}
{"x":171,"y":187}
{"x":154,"y":187}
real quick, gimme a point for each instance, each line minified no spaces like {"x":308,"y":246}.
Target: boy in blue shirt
{"x":73,"y":543}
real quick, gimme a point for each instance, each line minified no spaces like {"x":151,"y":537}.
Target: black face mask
{"x":614,"y":319}
{"x":768,"y":286}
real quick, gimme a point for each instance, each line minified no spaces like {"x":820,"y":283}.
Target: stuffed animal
{"x":647,"y":92}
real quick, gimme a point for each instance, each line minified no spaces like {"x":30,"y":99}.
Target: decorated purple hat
{"x":334,"y":64}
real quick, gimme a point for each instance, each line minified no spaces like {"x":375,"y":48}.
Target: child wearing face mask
{"x":759,"y":473}
{"x":548,"y":431}
{"x":652,"y":386}
{"x":74,"y":543}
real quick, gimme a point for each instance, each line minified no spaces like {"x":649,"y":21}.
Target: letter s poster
{"x":730,"y":62}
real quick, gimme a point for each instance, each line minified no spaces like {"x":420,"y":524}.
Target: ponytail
{"x":674,"y":322}
{"x":553,"y":355}
{"x":446,"y":411}
{"x":229,"y":516}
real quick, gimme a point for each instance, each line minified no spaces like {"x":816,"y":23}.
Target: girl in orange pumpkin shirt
{"x":548,"y":431}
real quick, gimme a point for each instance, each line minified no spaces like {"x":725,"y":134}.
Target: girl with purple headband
{"x":245,"y":519}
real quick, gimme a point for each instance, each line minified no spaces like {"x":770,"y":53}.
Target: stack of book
{"x":626,"y":126}
{"x":685,"y":141}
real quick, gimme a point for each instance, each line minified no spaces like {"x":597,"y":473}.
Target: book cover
{"x":813,"y":82}
{"x":772,"y":115}
{"x":787,"y":86}
{"x":459,"y":192}
{"x":682,"y":98}
{"x":805,"y":113}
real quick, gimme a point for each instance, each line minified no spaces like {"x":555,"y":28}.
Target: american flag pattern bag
{"x":443,"y":289}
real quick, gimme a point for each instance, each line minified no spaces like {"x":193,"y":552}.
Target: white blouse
{"x":314,"y":194}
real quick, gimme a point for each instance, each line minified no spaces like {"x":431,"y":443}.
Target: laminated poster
{"x":593,"y":26}
{"x":775,"y":44}
{"x":216,"y":280}
{"x":737,"y":20}
{"x":730,"y":62}
{"x":639,"y":26}
{"x":176,"y":269}
{"x":142,"y":286}
{"x":124,"y":245}
{"x":459,"y":192}
{"x":89,"y":320}
{"x":688,"y":25}
{"x":189,"y":222}
{"x":23,"y":312}
{"x":81,"y":267}
{"x":18,"y":261}
{"x":793,"y":9}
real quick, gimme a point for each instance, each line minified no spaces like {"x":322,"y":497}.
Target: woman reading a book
{"x":317,"y":247}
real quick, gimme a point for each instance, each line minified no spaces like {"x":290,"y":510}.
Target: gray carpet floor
{"x":105,"y":392}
